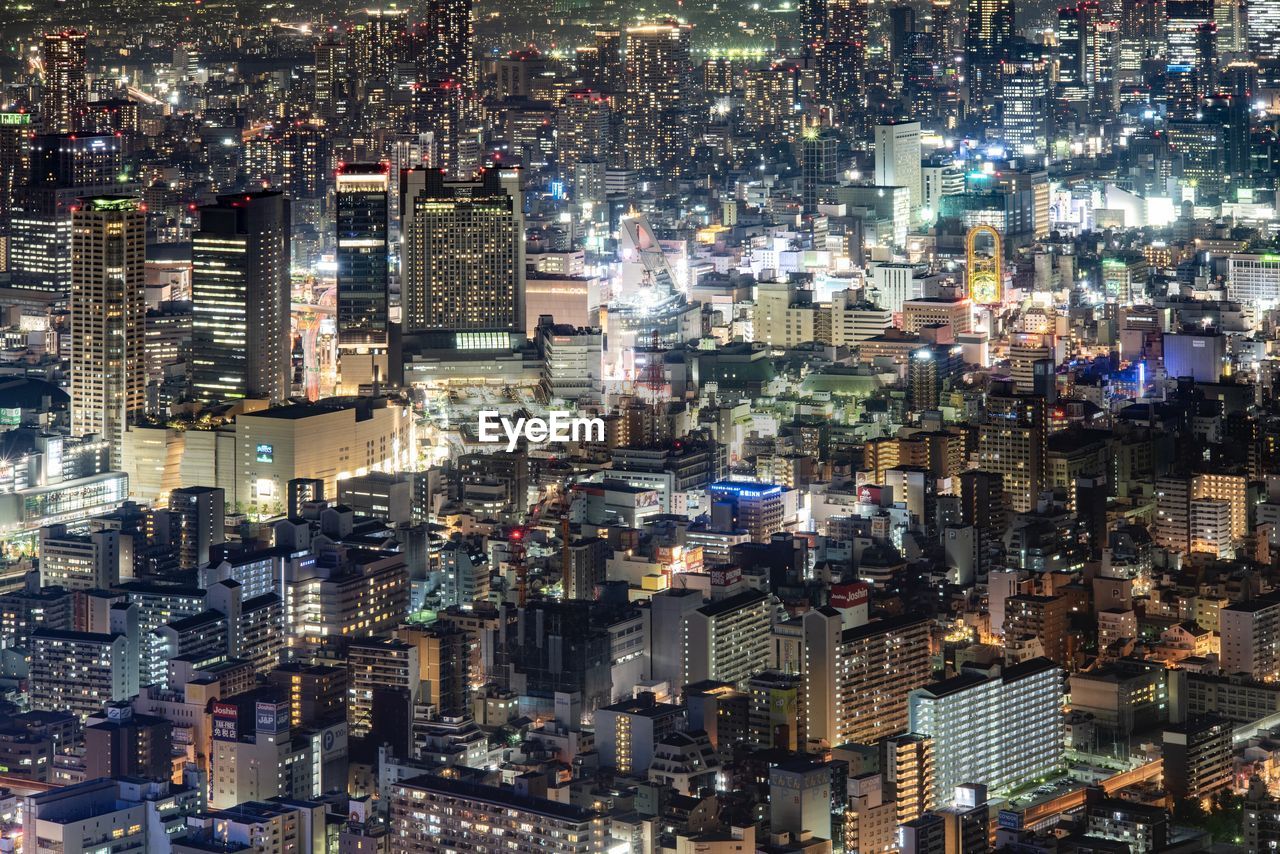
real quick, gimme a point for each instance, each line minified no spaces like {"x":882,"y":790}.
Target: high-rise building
{"x":1228,"y":119}
{"x":658,"y":70}
{"x":139,"y":815}
{"x":255,"y":823}
{"x":1197,"y":758}
{"x":441,"y":120}
{"x":78,"y":672}
{"x":988,"y":37}
{"x":200,"y":512}
{"x":317,"y":692}
{"x":1000,"y":731}
{"x":1142,"y":22}
{"x":902,"y":22}
{"x":609,"y":70}
{"x":768,"y":96}
{"x":907,"y":763}
{"x":240,"y":295}
{"x":967,"y":821}
{"x":451,"y":33}
{"x":120,"y":743}
{"x":842,"y":60}
{"x":1211,"y":527}
{"x":258,"y":763}
{"x":442,"y":659}
{"x":363,"y":273}
{"x":726,"y":640}
{"x":586,"y":568}
{"x":1079,"y":49}
{"x":463,"y":258}
{"x":1263,"y":29}
{"x":88,"y":561}
{"x":1025,"y":106}
{"x":1183,"y":20}
{"x":755,"y":508}
{"x":1046,"y":618}
{"x":378,"y":42}
{"x":924,"y":835}
{"x":333,"y":77}
{"x":1261,"y":818}
{"x":819,"y":166}
{"x":65,"y":88}
{"x":1249,"y":638}
{"x":629,"y":732}
{"x":583,"y":129}
{"x":1013,"y":443}
{"x":15,"y":161}
{"x":374,"y":665}
{"x":64,"y":169}
{"x":108,"y":311}
{"x":858,"y":678}
{"x":800,"y":797}
{"x":1173,"y":513}
{"x":942,"y":29}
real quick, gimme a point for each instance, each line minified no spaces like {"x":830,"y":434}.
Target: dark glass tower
{"x":362,"y":250}
{"x":362,"y":194}
{"x":240,"y":295}
{"x":987,"y":40}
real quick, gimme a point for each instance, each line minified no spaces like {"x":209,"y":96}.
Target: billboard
{"x":226,"y":722}
{"x":850,"y":595}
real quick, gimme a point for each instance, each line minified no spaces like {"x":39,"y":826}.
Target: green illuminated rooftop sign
{"x":113,"y":203}
{"x":15,"y":118}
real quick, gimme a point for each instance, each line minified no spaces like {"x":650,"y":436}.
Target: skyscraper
{"x":108,"y":310}
{"x":362,"y":192}
{"x":608,"y":71}
{"x":658,"y":69}
{"x":15,"y":161}
{"x":64,"y":168}
{"x":842,"y":61}
{"x":378,"y":42}
{"x":819,"y":164}
{"x":942,"y":28}
{"x":583,"y":129}
{"x":987,"y":39}
{"x":1264,"y":29}
{"x":1024,"y":106}
{"x":240,"y":296}
{"x":1183,"y":20}
{"x":1011,"y":443}
{"x":463,"y":255}
{"x":1077,"y":50}
{"x":332,"y":79}
{"x":898,"y":159}
{"x":440,"y":108}
{"x":450,"y":32}
{"x":65,"y":89}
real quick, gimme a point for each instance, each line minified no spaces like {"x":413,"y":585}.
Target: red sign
{"x":850,"y":595}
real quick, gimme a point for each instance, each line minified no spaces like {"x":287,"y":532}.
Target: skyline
{"x":794,"y":427}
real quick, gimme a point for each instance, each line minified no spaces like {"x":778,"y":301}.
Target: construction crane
{"x":553,"y":505}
